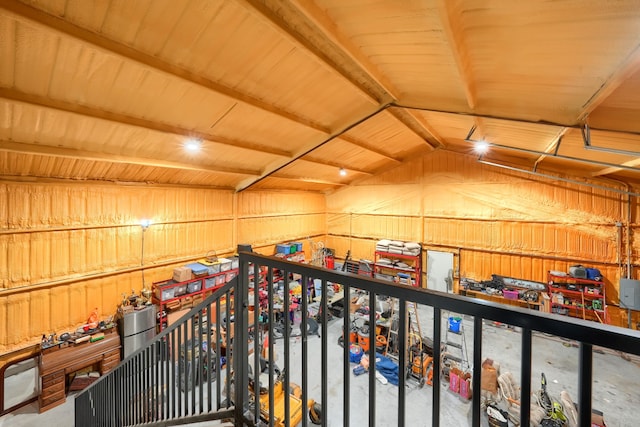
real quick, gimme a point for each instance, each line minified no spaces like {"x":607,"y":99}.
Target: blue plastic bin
{"x":454,"y":324}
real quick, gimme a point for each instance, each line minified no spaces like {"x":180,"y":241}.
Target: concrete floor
{"x":615,"y":382}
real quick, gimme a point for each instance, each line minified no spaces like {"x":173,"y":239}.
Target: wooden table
{"x":56,"y":364}
{"x":500,"y":299}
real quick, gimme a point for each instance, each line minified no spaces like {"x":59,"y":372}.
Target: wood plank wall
{"x":494,"y":221}
{"x":67,"y":249}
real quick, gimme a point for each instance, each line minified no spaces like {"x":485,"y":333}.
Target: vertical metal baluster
{"x":346,"y":334}
{"x":173,"y":347}
{"x":477,"y":371}
{"x":270,"y":334}
{"x":201,"y":363}
{"x":372,"y":359}
{"x":525,"y":375}
{"x":287,"y":347}
{"x":194,"y":369}
{"x":179,"y":369}
{"x":218,"y":357}
{"x":402,"y":357}
{"x":437,"y":347}
{"x":304,"y":296}
{"x":585,"y":383}
{"x":324,"y":370}
{"x":210,"y":362}
{"x":256,"y":346}
{"x":227,"y":339}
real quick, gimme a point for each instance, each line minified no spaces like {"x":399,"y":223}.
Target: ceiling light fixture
{"x":193,"y":144}
{"x":343,"y":172}
{"x":481,"y":147}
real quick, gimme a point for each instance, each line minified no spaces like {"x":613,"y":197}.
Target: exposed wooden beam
{"x":306,"y":149}
{"x":454,"y":33}
{"x":631,"y":164}
{"x":552,"y":145}
{"x":96,"y":113}
{"x":320,"y":18}
{"x":110,"y":183}
{"x":338,"y":165}
{"x":414,"y":126}
{"x":629,"y":67}
{"x":48,"y":150}
{"x":297,"y":27}
{"x":426,"y":126}
{"x":306,"y":179}
{"x":368,"y":147}
{"x":33,"y":15}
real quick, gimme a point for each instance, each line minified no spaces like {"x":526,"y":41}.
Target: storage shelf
{"x":414,"y":272}
{"x":396,"y":256}
{"x":391,"y":267}
{"x":558,"y":284}
{"x":220,"y":279}
{"x":574,"y":307}
{"x":579,"y":294}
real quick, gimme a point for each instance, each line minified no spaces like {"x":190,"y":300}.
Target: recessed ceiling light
{"x":193,"y":144}
{"x":481,"y":147}
{"x":343,"y":172}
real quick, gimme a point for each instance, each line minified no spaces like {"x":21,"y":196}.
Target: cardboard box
{"x":181,"y":274}
{"x":597,"y":419}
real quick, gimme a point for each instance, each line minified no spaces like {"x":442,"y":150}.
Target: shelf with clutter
{"x":579,"y":293}
{"x":398,"y":261}
{"x":507,"y":290}
{"x":190,"y":284}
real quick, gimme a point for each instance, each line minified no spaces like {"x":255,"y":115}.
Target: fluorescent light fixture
{"x":193,"y":144}
{"x":343,"y":172}
{"x":145,"y":223}
{"x":481,"y":147}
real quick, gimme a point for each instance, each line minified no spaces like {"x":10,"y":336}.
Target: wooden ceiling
{"x":282,"y":95}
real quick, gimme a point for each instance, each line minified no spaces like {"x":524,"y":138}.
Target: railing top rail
{"x":613,"y":337}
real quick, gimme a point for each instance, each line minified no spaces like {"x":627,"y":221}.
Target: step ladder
{"x":455,"y":343}
{"x":412,"y":323}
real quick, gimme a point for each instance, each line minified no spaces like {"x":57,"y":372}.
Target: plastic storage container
{"x":454,"y":324}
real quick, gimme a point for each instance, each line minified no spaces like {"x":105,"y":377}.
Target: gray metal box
{"x":630,"y":294}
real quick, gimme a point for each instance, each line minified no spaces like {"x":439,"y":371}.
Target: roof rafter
{"x":453,"y":31}
{"x":306,"y":149}
{"x":96,"y":113}
{"x":364,"y":145}
{"x":553,"y":145}
{"x":33,"y":15}
{"x":319,"y":17}
{"x":312,"y":159}
{"x":307,"y":34}
{"x":47,"y":150}
{"x":415,"y":126}
{"x":303,"y":179}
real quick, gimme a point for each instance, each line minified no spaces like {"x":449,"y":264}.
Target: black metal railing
{"x":178,"y":378}
{"x":149,"y":387}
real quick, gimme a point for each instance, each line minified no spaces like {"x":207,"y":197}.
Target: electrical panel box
{"x":630,"y":294}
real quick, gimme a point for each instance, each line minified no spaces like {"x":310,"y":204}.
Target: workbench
{"x":56,"y":364}
{"x":500,"y":299}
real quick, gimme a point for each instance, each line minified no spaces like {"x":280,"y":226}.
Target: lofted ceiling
{"x":283,"y":94}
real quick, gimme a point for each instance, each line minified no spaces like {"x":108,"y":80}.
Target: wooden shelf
{"x":558,"y":285}
{"x":500,"y":299}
